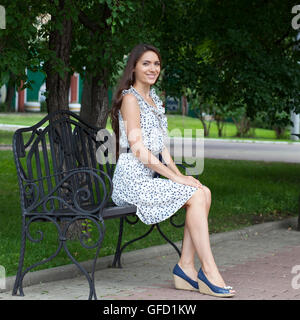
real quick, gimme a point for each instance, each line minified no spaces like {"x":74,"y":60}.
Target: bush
{"x":3,"y":107}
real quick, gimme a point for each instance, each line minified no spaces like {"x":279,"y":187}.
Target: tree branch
{"x":83,"y":18}
{"x":95,"y":27}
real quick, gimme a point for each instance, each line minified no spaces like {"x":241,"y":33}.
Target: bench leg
{"x":168,"y":240}
{"x":101,"y":230}
{"x":117,"y":257}
{"x":119,"y":249}
{"x":18,"y":282}
{"x":62,"y":244}
{"x":26,"y":234}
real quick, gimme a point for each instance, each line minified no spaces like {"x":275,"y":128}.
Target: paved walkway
{"x":261,"y":263}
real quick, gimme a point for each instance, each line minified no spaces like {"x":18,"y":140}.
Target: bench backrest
{"x":57,"y":166}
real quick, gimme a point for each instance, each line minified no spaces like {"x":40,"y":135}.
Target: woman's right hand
{"x":187,"y":180}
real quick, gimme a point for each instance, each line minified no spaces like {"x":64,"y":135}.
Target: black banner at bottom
{"x":132,"y":309}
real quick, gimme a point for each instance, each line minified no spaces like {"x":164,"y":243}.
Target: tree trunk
{"x":220,"y":125}
{"x":10,"y":91}
{"x":58,"y":84}
{"x":201,"y":118}
{"x":94,"y":111}
{"x":279,"y":131}
{"x":94,"y":102}
{"x":242,"y":126}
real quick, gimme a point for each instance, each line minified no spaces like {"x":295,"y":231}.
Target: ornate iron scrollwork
{"x":62,"y":237}
{"x":60,"y":180}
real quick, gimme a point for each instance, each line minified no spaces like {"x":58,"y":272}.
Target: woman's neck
{"x":143,"y":89}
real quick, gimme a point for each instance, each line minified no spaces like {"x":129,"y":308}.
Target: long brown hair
{"x":127,"y":80}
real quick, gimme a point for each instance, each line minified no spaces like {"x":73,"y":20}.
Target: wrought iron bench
{"x":65,"y":174}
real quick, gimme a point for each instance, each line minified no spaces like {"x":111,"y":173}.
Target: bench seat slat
{"x":109,"y":212}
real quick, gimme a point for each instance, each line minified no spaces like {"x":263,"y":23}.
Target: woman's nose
{"x":152,"y":67}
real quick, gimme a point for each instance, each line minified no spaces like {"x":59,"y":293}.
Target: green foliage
{"x":233,"y":53}
{"x":237,"y":52}
{"x":99,"y":45}
{"x":14,"y":52}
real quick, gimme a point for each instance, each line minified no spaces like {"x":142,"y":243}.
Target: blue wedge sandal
{"x":206,"y":287}
{"x":182,"y":281}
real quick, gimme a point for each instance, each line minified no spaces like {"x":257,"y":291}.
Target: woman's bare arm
{"x":130,"y":111}
{"x":169,"y":161}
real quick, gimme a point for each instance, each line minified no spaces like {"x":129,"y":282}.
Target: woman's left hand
{"x":193,"y":181}
{"x":198,"y":183}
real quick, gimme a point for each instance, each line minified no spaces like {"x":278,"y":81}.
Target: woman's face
{"x":147,"y":68}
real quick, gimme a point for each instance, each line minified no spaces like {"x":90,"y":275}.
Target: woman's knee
{"x":207,"y":192}
{"x":198,"y":197}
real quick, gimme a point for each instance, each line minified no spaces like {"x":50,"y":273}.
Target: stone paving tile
{"x":258,"y":267}
{"x":264,"y":278}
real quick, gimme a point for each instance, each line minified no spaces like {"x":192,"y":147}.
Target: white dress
{"x":156,"y":199}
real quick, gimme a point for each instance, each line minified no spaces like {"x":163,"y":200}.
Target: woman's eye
{"x":157,"y":64}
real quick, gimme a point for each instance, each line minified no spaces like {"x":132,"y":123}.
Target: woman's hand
{"x":187,"y":180}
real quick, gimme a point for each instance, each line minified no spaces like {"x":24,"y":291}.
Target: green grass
{"x":176,"y":122}
{"x":176,"y":126}
{"x":243,"y":193}
{"x":6,"y":137}
{"x":23,"y":119}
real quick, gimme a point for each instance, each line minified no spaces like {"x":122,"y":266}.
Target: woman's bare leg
{"x":187,"y":259}
{"x":188,"y":250}
{"x":197,"y":238}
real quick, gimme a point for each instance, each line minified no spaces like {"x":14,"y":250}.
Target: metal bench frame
{"x":61,"y":182}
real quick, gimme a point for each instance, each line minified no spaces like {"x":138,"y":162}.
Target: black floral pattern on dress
{"x":156,"y":199}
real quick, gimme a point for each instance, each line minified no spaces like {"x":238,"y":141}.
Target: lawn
{"x":21,"y":118}
{"x":243,"y":193}
{"x":176,"y":126}
{"x":178,"y":121}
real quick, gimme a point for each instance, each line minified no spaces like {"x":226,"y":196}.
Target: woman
{"x":140,"y":126}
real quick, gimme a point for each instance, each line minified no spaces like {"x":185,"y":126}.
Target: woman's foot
{"x":214,"y":277}
{"x":212,"y":274}
{"x":189,"y":270}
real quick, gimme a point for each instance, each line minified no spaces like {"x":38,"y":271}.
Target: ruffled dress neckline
{"x":158,"y":108}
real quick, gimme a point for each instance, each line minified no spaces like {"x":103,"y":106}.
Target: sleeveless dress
{"x":156,"y":199}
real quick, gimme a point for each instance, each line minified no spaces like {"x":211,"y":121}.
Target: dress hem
{"x":171,"y":214}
